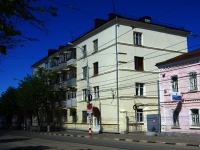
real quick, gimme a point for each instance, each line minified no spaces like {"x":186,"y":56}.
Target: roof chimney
{"x":112,"y":16}
{"x":61,"y":47}
{"x":145,"y":19}
{"x":51,"y":51}
{"x":99,"y":22}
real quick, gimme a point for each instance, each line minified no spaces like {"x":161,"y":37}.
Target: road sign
{"x":89,"y":111}
{"x":89,"y":106}
{"x":89,"y":116}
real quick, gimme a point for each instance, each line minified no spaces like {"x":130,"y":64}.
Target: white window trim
{"x":144,"y":94}
{"x":96,"y":93}
{"x":189,"y":87}
{"x":84,"y":50}
{"x":190,"y":118}
{"x":95,"y":45}
{"x":139,"y":117}
{"x":137,"y":39}
{"x":171,"y":83}
{"x":84,"y":94}
{"x":84,"y":69}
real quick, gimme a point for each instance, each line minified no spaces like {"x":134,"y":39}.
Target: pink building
{"x":179,"y":84}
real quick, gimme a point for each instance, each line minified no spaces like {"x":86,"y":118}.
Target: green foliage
{"x":74,"y":118}
{"x":8,"y":103}
{"x":3,"y":49}
{"x":14,"y":13}
{"x":36,"y":95}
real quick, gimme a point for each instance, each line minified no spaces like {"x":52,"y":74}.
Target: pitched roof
{"x":181,"y":57}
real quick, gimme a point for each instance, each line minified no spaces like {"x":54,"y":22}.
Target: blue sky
{"x":71,"y":23}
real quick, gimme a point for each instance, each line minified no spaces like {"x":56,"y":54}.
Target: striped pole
{"x":90,"y":131}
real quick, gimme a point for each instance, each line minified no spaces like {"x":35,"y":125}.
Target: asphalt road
{"x":10,"y":140}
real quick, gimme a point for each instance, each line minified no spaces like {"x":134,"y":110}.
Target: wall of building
{"x":158,"y":44}
{"x":190,"y":100}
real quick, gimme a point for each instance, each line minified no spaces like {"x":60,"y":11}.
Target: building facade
{"x":179,"y":93}
{"x":121,"y":54}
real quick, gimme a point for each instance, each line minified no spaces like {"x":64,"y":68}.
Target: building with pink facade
{"x":179,"y":88}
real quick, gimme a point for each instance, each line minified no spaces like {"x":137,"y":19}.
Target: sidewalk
{"x":131,"y":137}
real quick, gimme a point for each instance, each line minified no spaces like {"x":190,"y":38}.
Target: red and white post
{"x":90,"y":130}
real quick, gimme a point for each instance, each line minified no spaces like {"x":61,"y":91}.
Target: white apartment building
{"x":121,"y":53}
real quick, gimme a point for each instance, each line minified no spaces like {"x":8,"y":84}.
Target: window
{"x":139,"y":115}
{"x":72,"y":112}
{"x":195,"y":117}
{"x":84,"y":72}
{"x":96,"y":92}
{"x":139,"y":89}
{"x":68,"y":55}
{"x":192,"y":81}
{"x":71,"y":94}
{"x":84,"y":94}
{"x":71,"y":73}
{"x":174,"y":83}
{"x":84,"y":116}
{"x":47,"y":65}
{"x":137,"y":38}
{"x":95,"y":66}
{"x":84,"y":51}
{"x":95,"y":42}
{"x":139,"y":64}
{"x":175,"y":118}
{"x":54,"y":62}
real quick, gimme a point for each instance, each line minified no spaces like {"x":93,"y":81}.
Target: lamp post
{"x":117,"y":97}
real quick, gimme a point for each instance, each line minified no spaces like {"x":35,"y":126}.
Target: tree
{"x":16,"y":12}
{"x":35,"y":94}
{"x":8,"y":104}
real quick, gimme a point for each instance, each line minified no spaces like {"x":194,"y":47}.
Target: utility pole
{"x":117,"y":75}
{"x":88,"y":96}
{"x":159,"y":117}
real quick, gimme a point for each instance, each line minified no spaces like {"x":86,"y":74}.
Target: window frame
{"x":192,"y":86}
{"x":139,"y":63}
{"x":84,"y":50}
{"x":96,"y":92}
{"x":174,"y":84}
{"x":95,"y":68}
{"x":47,"y":65}
{"x":138,"y":89}
{"x":137,"y":38}
{"x":84,"y":75}
{"x":95,"y":45}
{"x":84,"y":94}
{"x":194,"y":122}
{"x":84,"y":116}
{"x":140,"y":117}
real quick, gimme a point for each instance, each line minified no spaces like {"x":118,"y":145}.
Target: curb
{"x":117,"y":139}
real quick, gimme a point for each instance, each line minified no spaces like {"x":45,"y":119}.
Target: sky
{"x":72,"y":22}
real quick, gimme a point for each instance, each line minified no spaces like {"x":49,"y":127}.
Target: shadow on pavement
{"x":13,"y":140}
